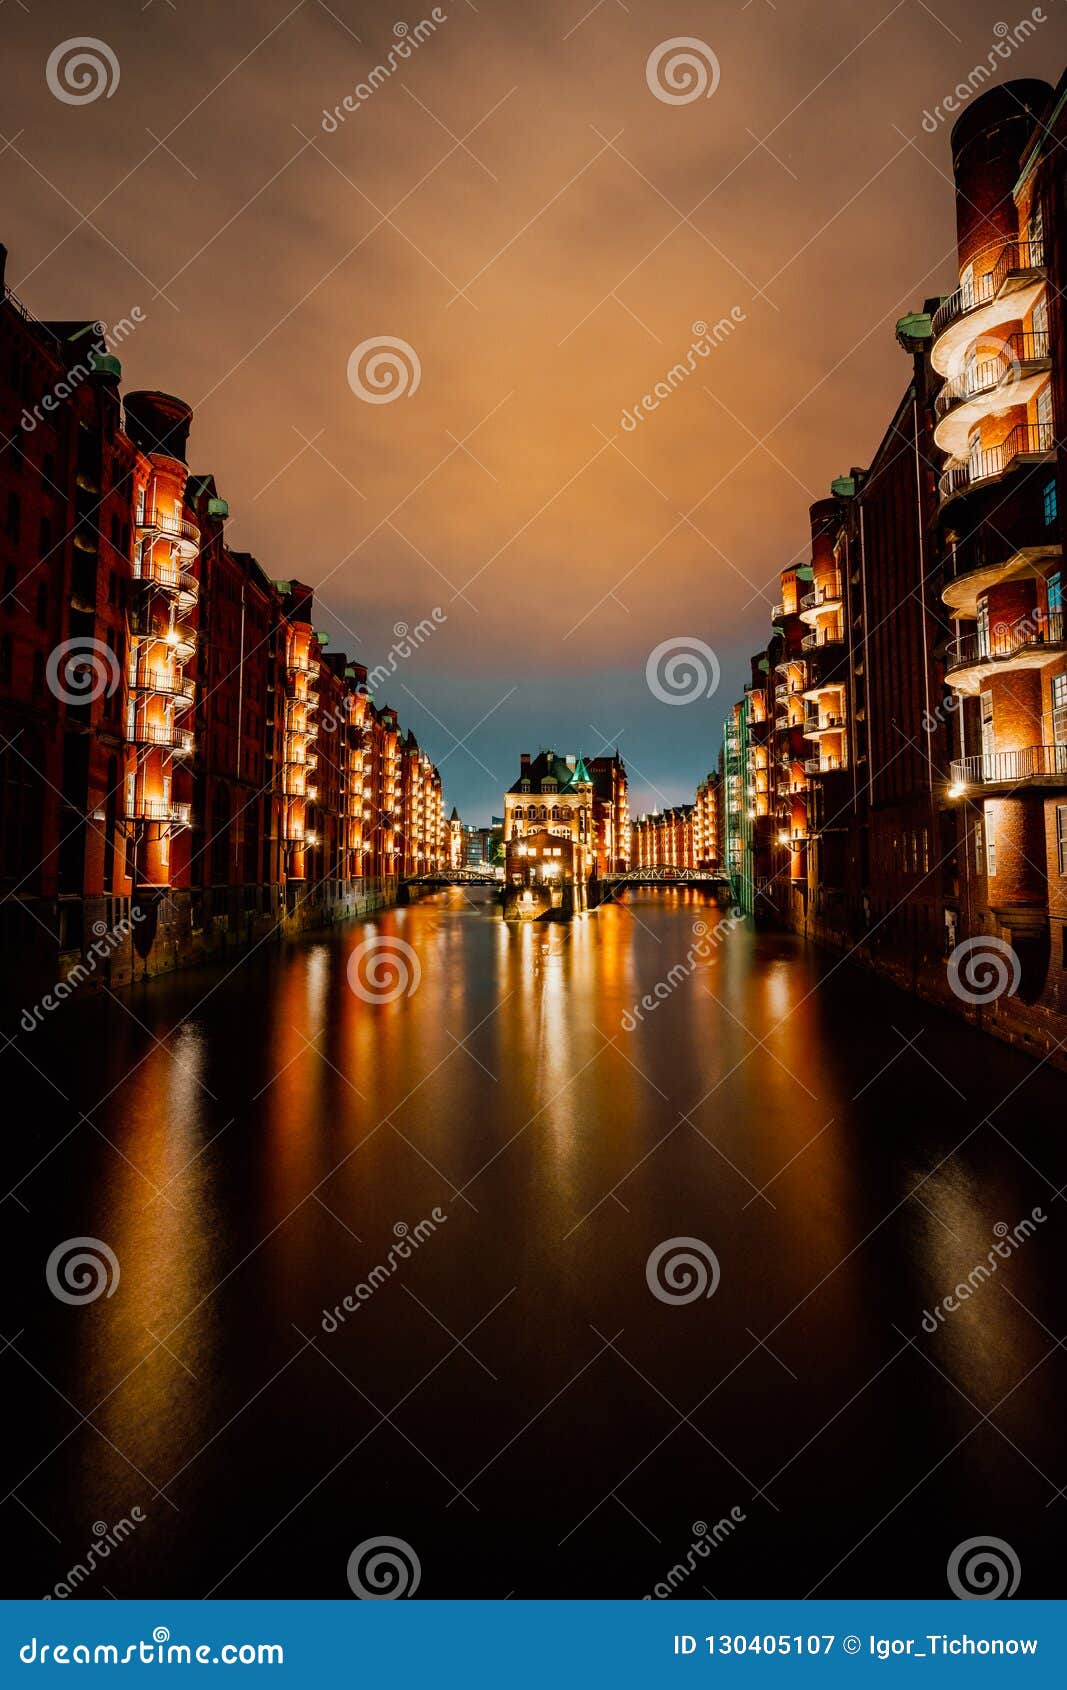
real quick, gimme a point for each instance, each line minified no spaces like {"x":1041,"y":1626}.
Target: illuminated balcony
{"x":817,"y":724}
{"x":990,"y":384}
{"x":158,"y":810}
{"x":820,"y":637}
{"x":1008,"y":290}
{"x":180,"y":740}
{"x":153,"y":678}
{"x":825,"y":765}
{"x":1044,"y":763}
{"x":1026,"y":440}
{"x":826,"y":596}
{"x":183,"y":535}
{"x":1032,"y":642}
{"x":163,"y":572}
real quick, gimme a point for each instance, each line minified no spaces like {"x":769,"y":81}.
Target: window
{"x":1061,"y":836}
{"x":983,"y":628}
{"x":926,"y":850}
{"x":990,"y":842}
{"x":1054,"y":589}
{"x":1044,"y":418}
{"x":989,"y":742}
{"x":1039,"y":327}
{"x":1059,"y":710}
{"x":977,"y":847}
{"x":1035,"y":234}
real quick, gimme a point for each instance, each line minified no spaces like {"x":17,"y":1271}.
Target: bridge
{"x":665,"y":876}
{"x":456,"y":877}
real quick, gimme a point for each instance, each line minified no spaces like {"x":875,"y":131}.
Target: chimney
{"x":524,"y":761}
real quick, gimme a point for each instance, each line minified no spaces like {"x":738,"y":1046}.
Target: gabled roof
{"x":547,"y":765}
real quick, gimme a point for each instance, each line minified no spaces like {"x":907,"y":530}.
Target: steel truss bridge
{"x":456,"y":877}
{"x":664,"y":876}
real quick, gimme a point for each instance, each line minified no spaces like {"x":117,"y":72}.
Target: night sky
{"x":542,"y":230}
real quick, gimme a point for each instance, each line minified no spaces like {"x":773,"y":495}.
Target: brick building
{"x":920,"y":778}
{"x":185,"y":763}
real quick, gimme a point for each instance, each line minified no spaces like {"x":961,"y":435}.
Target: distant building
{"x":553,"y":795}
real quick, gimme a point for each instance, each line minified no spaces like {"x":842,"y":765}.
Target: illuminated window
{"x":1061,"y":836}
{"x":990,"y":842}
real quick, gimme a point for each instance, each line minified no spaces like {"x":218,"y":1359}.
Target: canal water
{"x":481,"y":1138}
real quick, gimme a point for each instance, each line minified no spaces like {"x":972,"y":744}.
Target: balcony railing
{"x":827,"y":592}
{"x":820,"y":637}
{"x":1031,"y":440}
{"x":1006,"y":640}
{"x":164,"y":572}
{"x":157,"y":810}
{"x":824,"y":765}
{"x":1007,"y":766}
{"x":170,"y":526}
{"x":182,"y":740}
{"x":149,"y":677}
{"x":1014,"y":258}
{"x":985,"y":375}
{"x":826,"y":723}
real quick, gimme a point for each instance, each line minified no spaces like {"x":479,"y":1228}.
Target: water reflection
{"x":264,"y":1133}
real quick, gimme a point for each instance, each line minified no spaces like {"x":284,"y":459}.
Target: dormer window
{"x":525,"y":785}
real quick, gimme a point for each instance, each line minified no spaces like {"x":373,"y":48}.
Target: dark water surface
{"x":513,"y":1401}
